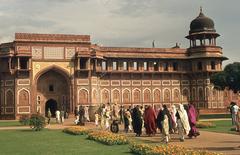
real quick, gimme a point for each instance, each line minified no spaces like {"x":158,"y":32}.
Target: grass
{"x":222,"y":126}
{"x":53,"y":142}
{"x":9,"y":123}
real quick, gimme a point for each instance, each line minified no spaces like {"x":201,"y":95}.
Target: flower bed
{"x":144,"y":149}
{"x":77,"y":130}
{"x":108,"y":138}
{"x":204,"y":124}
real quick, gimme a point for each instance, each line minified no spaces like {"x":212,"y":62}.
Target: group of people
{"x":60,"y":116}
{"x":235,"y":114}
{"x":178,"y":118}
{"x":81,"y":115}
{"x":175,"y":119}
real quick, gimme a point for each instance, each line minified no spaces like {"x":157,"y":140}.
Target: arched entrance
{"x":53,"y":90}
{"x":52,"y":105}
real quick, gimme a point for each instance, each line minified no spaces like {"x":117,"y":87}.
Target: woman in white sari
{"x":182,"y":122}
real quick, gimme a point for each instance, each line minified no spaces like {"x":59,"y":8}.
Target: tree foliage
{"x":36,"y":121}
{"x":228,"y":78}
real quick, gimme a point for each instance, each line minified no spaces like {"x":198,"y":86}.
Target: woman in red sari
{"x":192,"y":116}
{"x":150,"y":121}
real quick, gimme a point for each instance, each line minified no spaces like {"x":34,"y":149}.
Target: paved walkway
{"x":217,"y":142}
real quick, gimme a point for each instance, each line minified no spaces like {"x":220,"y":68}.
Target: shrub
{"x":36,"y":121}
{"x":24,"y":119}
{"x":205,"y":125}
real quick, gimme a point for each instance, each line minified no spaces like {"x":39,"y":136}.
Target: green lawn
{"x":53,"y":142}
{"x":9,"y":123}
{"x":222,"y":126}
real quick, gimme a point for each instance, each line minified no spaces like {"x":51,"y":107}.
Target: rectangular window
{"x":125,"y":65}
{"x":165,"y":66}
{"x":135,"y":66}
{"x":145,"y":66}
{"x":155,"y":66}
{"x":115,"y":65}
{"x":104,"y":65}
{"x":199,"y":65}
{"x":213,"y":65}
{"x":23,"y":63}
{"x":175,"y":66}
{"x":83,"y":63}
{"x":51,"y":88}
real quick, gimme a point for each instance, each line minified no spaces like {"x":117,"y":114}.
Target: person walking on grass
{"x":137,"y":120}
{"x":234,"y":110}
{"x":49,"y":115}
{"x":150,"y":121}
{"x":57,"y":116}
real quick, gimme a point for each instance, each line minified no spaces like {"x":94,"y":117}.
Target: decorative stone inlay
{"x":54,"y":52}
{"x":200,"y":82}
{"x":23,"y":82}
{"x":185,"y":82}
{"x":126,"y":83}
{"x":156,"y":82}
{"x":104,"y":83}
{"x":37,"y":52}
{"x":115,"y":83}
{"x":166,"y":83}
{"x":9,"y":83}
{"x":146,"y":83}
{"x":136,"y":83}
{"x":69,"y":52}
{"x":82,"y":82}
{"x":175,"y":82}
{"x":23,"y":109}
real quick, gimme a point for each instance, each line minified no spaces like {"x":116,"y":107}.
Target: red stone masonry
{"x":51,"y":37}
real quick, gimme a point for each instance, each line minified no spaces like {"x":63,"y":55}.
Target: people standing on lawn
{"x":192,"y":117}
{"x":49,"y":115}
{"x":160,"y":119}
{"x":127,"y":120}
{"x":57,"y":113}
{"x":107,"y":117}
{"x":76,"y":115}
{"x":166,"y":123}
{"x":81,"y":114}
{"x":150,"y":121}
{"x":121,"y":114}
{"x":137,"y":120}
{"x":86,"y":113}
{"x":62,"y":116}
{"x":182,"y":122}
{"x":96,"y":115}
{"x":234,"y":110}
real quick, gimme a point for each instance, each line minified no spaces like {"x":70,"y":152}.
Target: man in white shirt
{"x":234,"y":111}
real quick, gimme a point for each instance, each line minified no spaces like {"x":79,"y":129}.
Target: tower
{"x":205,"y":58}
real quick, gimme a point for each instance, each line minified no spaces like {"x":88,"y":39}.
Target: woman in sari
{"x":192,"y":116}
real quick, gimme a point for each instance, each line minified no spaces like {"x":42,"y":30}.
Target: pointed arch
{"x":83,"y":96}
{"x":176,"y":95}
{"x":156,"y":95}
{"x":208,"y":94}
{"x":185,"y":94}
{"x":23,"y":97}
{"x":193,"y":94}
{"x":105,"y":96}
{"x":136,"y":95}
{"x":166,"y":95}
{"x":116,"y":96}
{"x":147,"y":95}
{"x":126,"y":96}
{"x":9,"y":97}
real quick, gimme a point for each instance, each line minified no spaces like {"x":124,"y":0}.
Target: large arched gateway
{"x":53,"y":91}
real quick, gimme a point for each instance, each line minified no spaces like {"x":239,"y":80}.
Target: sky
{"x":123,"y":23}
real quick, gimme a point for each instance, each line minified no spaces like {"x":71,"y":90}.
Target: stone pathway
{"x":211,"y":141}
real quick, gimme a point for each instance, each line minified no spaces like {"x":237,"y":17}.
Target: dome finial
{"x":201,"y":9}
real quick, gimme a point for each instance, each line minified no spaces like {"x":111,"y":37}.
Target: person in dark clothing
{"x":81,"y":113}
{"x":160,"y":118}
{"x":126,"y":120}
{"x":137,"y":121}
